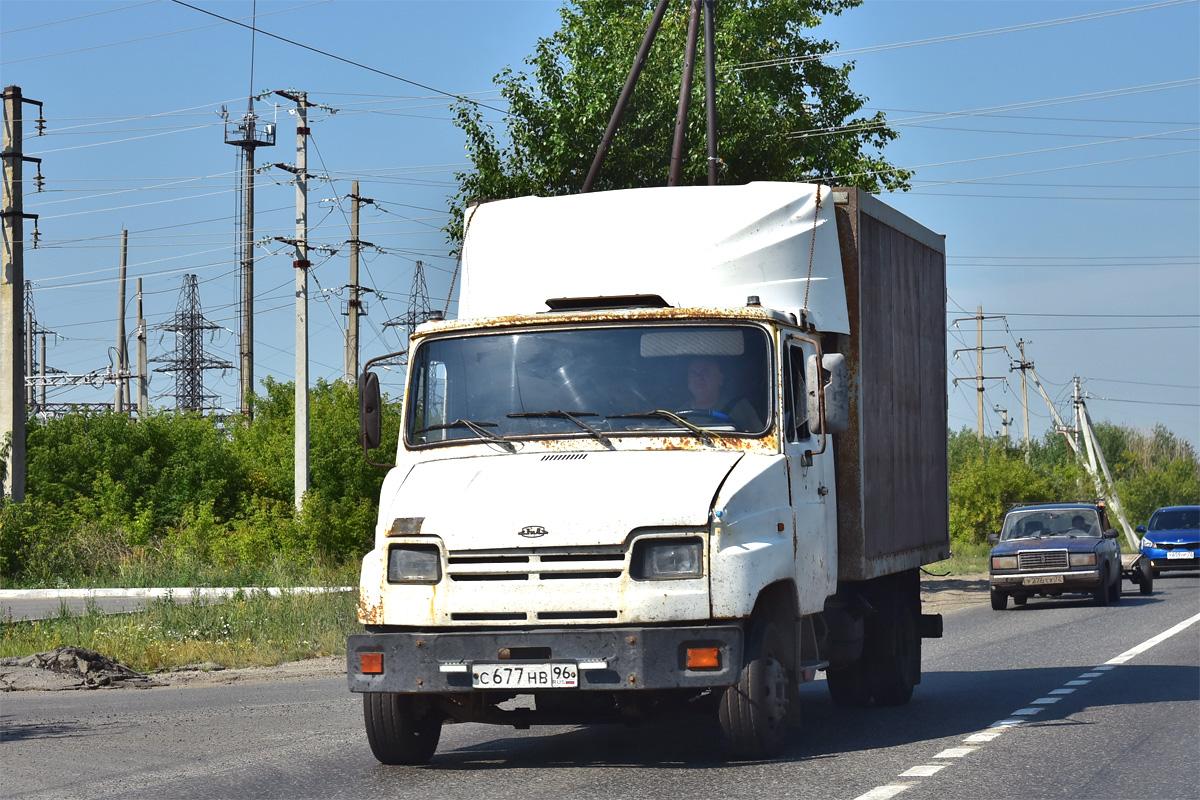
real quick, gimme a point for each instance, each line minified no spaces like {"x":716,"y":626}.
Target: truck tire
{"x":1146,"y":584}
{"x":754,"y":711}
{"x":397,"y":734}
{"x":999,"y":600}
{"x":849,"y":687}
{"x":896,"y":669}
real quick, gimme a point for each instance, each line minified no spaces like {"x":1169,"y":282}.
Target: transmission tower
{"x":247,"y":136}
{"x":418,"y":305}
{"x":189,"y":362}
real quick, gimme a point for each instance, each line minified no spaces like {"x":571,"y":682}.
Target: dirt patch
{"x":67,"y":668}
{"x":940,"y":594}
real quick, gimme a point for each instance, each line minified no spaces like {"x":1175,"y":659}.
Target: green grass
{"x":251,"y":629}
{"x":965,"y":559}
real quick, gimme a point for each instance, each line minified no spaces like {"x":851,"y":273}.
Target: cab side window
{"x":796,"y":398}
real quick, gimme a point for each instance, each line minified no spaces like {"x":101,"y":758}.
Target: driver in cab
{"x":708,"y":393}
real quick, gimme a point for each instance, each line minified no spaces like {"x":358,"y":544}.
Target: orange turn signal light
{"x":703,"y":658}
{"x":372,"y":663}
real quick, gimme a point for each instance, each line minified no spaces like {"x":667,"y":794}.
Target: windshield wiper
{"x":571,"y":416}
{"x":667,"y":415}
{"x":477,"y":428}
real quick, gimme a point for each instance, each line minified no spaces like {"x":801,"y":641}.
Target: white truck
{"x":683,"y":449}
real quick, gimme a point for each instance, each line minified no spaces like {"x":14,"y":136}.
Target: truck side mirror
{"x":370,"y":414}
{"x":829,"y":377}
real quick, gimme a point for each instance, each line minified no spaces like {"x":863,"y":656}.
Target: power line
{"x":460,"y":98}
{"x":75,"y":19}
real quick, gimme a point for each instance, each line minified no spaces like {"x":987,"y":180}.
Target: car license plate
{"x":1173,"y":554}
{"x":1041,"y":580}
{"x":502,"y":675}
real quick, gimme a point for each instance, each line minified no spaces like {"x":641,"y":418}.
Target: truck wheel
{"x":896,"y":670}
{"x":1146,"y":584}
{"x":1101,"y":593}
{"x":753,"y":712}
{"x":398,"y":735}
{"x":849,"y":687}
{"x":999,"y":600}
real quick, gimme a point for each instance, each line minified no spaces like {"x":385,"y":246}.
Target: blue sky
{"x":1055,"y":145}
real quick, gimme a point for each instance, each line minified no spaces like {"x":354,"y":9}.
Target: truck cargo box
{"x":892,"y":481}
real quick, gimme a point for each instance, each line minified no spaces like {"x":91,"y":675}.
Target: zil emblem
{"x":532,"y":532}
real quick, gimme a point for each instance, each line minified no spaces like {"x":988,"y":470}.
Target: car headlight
{"x":1004,"y":562}
{"x":668,"y":559}
{"x":1083,"y":559}
{"x":414,"y":563}
{"x":1147,"y":543}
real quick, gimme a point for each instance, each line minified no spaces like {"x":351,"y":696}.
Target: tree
{"x":790,"y":120}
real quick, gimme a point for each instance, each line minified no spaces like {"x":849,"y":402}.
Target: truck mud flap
{"x":931,"y":626}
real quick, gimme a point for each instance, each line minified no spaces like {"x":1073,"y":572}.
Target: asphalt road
{"x":1058,"y":699}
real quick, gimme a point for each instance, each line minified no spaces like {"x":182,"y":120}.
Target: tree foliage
{"x":105,"y":493}
{"x":783,"y":112}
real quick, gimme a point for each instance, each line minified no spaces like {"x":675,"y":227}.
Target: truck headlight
{"x":1083,"y":559}
{"x":1004,"y":562}
{"x":414,"y":563}
{"x":668,"y":559}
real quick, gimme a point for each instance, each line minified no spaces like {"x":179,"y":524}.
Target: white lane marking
{"x":998,"y":727}
{"x":883,"y":792}
{"x":956,"y":752}
{"x":1006,"y":723}
{"x":1146,"y":645}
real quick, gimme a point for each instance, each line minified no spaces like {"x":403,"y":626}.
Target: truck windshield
{"x":688,"y":380}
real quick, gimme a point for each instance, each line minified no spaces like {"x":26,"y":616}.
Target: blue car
{"x":1172,"y":539}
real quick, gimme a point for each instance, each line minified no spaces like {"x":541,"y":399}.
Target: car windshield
{"x":693,"y":380}
{"x":1175,"y":519}
{"x":1043,"y":522}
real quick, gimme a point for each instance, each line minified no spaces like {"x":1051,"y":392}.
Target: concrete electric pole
{"x":12,"y":292}
{"x":978,"y":349}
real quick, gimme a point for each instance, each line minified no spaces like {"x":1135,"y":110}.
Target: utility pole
{"x":355,"y":305}
{"x":122,"y":399}
{"x":301,"y":265}
{"x":1024,"y":364}
{"x":1003,"y":412}
{"x":1075,"y":404}
{"x":12,"y":292}
{"x":979,"y":348}
{"x":143,"y":365}
{"x":247,"y":136}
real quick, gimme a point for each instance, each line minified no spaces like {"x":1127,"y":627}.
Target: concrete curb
{"x":207,"y":592}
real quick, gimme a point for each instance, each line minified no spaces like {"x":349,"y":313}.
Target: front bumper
{"x":611,"y":659}
{"x":1050,"y":582}
{"x":1160,"y":558}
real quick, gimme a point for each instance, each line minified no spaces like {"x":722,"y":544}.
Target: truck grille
{"x":1042,"y":559}
{"x":546,"y":567}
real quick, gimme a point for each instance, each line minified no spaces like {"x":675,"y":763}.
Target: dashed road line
{"x":997,"y":728}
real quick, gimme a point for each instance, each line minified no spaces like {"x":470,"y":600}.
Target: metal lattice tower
{"x":189,"y":362}
{"x":418,"y":305}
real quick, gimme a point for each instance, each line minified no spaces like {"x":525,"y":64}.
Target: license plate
{"x":503,"y":675}
{"x":1041,"y":580}
{"x":1173,"y":554}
